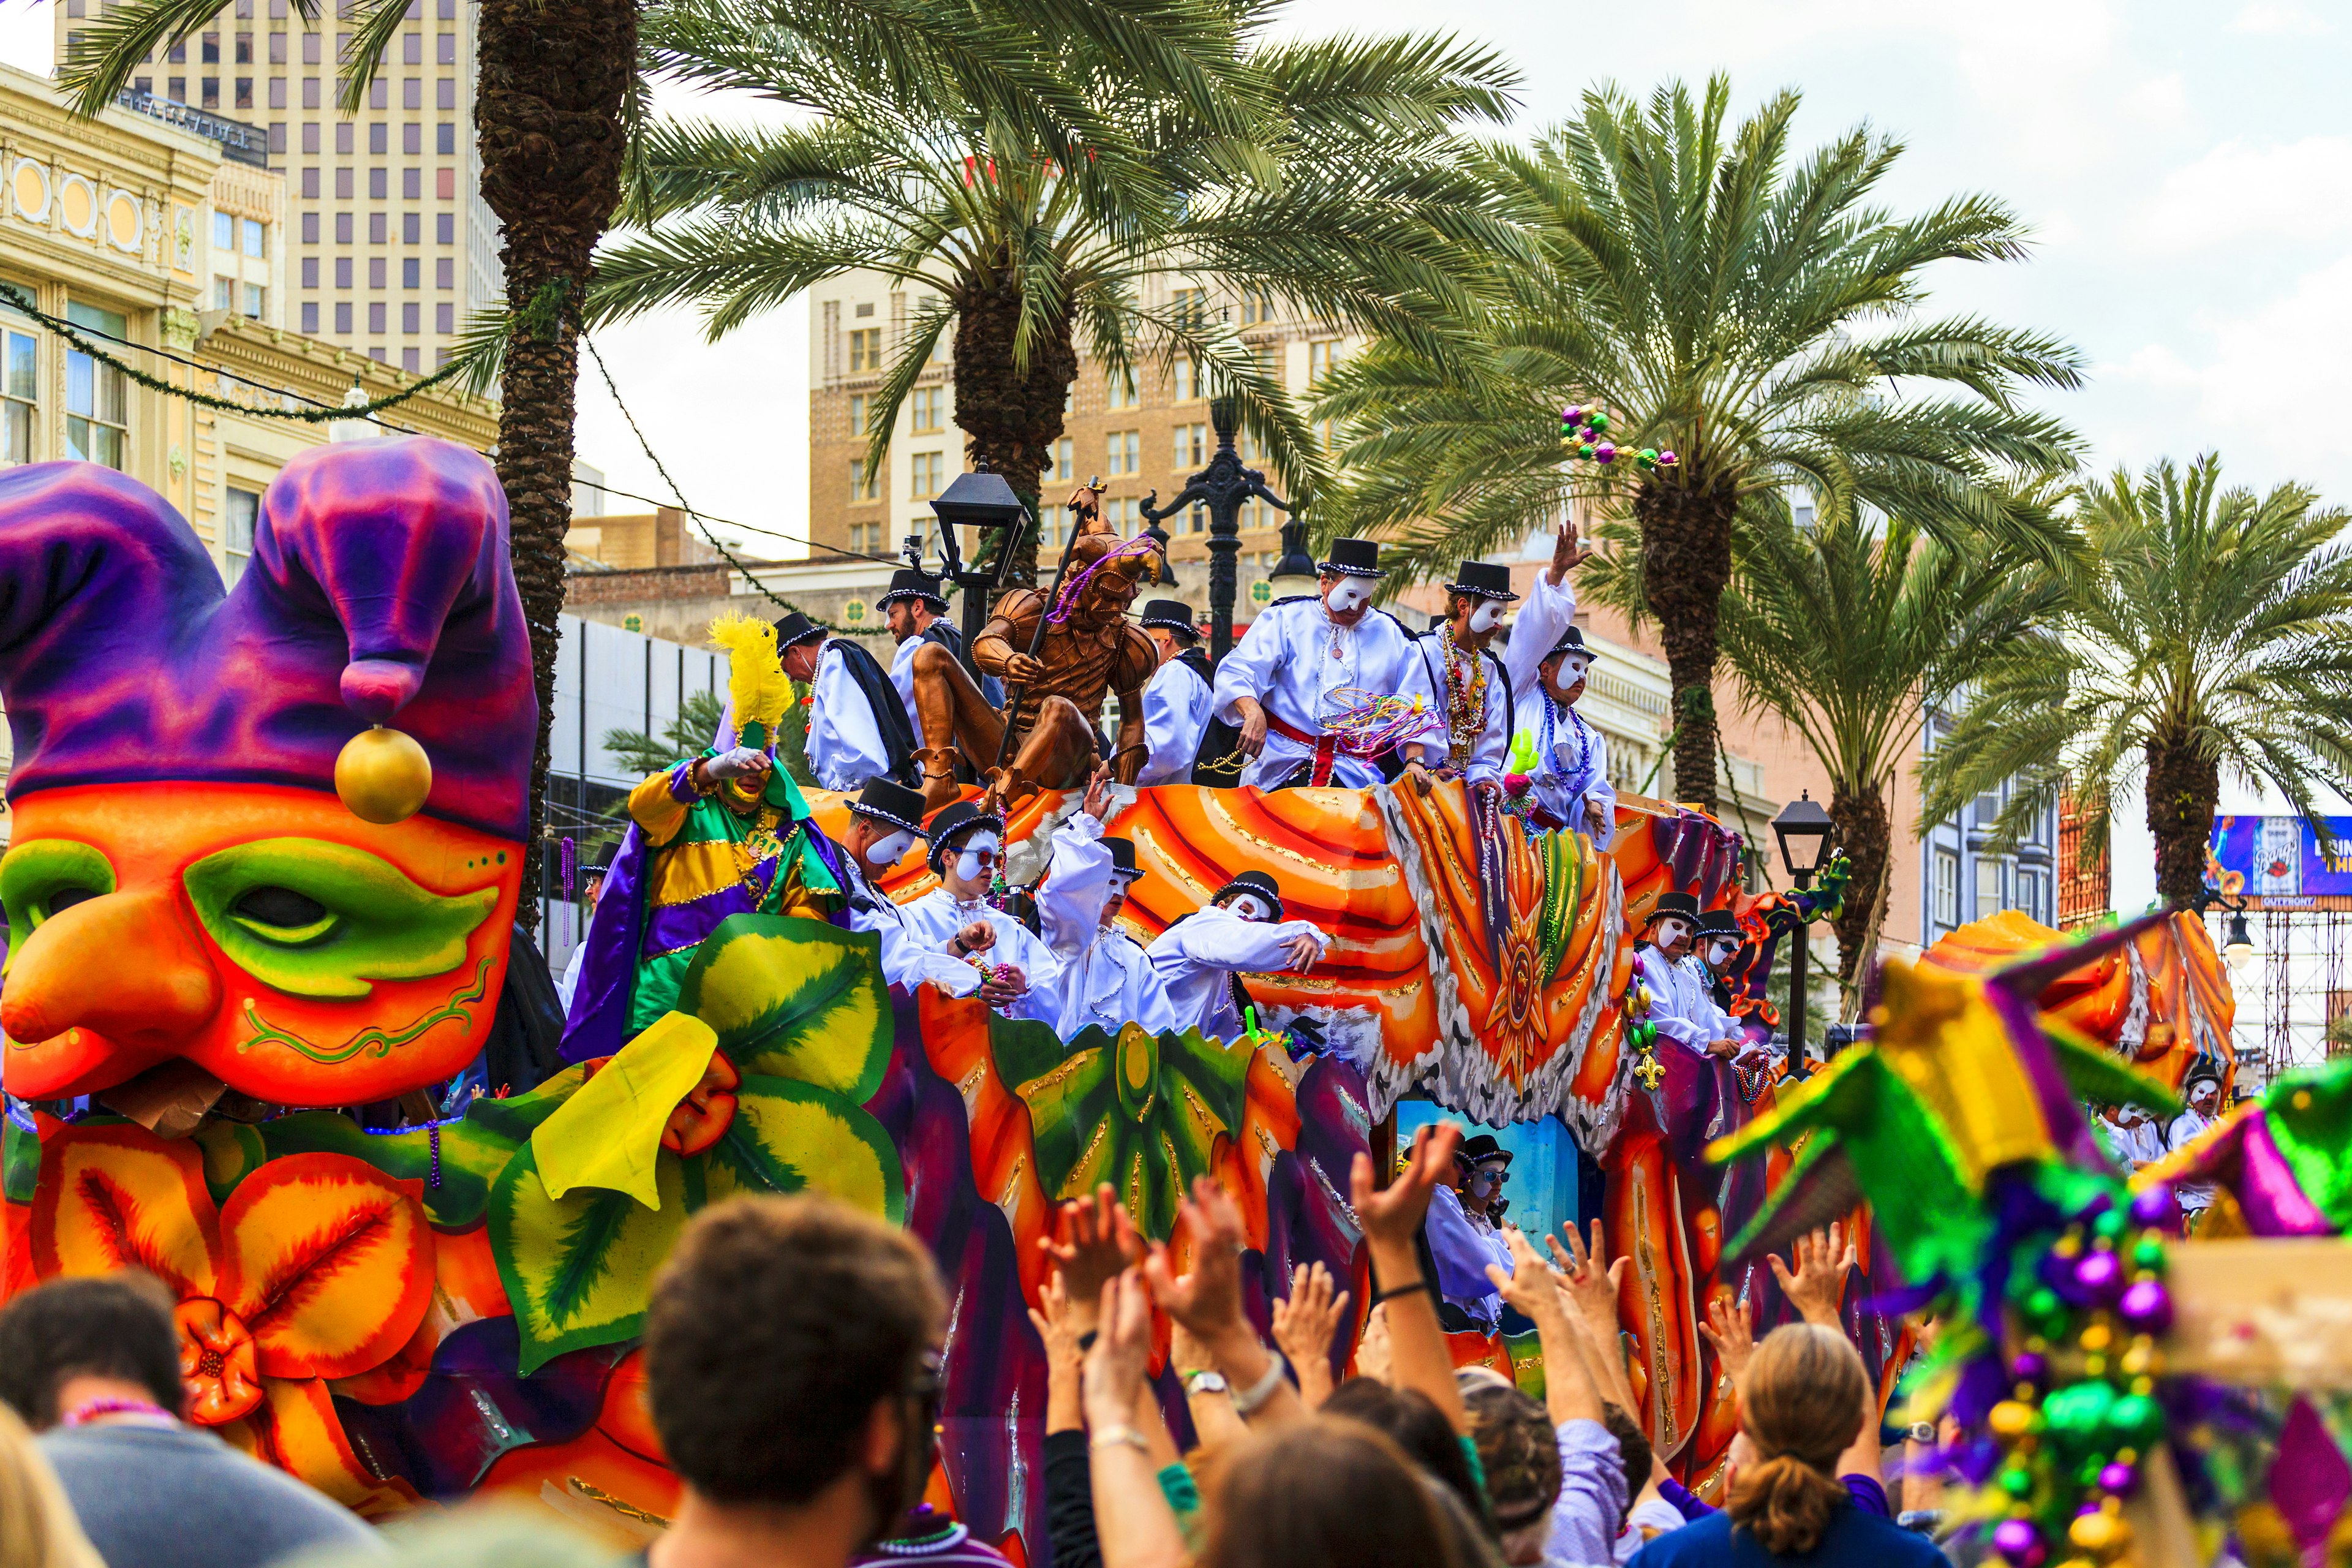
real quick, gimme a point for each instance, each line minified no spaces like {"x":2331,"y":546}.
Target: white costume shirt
{"x":907,"y":961}
{"x":1194,"y":956}
{"x":1680,"y":1005}
{"x":1573,"y":775}
{"x":934,"y":919}
{"x":2194,"y":1197}
{"x":1288,"y":662}
{"x":571,"y":981}
{"x":1725,"y":1026}
{"x":1425,"y":679}
{"x":1106,"y":979}
{"x":844,"y":744}
{"x":902,"y":672}
{"x":1175,"y":712}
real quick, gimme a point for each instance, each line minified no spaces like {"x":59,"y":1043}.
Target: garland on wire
{"x":727,"y":555}
{"x":319,"y":415}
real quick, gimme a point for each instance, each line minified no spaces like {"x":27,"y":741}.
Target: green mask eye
{"x":42,"y":876}
{"x":317,"y":919}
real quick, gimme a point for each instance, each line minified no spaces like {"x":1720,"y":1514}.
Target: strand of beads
{"x":1583,"y":431}
{"x":2074,"y":1440}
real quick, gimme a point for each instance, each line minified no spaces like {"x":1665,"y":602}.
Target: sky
{"x":2183,"y":169}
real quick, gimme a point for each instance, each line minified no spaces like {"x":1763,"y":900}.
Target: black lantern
{"x":981,"y":500}
{"x":1803,"y":829}
{"x":1221,"y":488}
{"x":2239,"y":949}
{"x":1295,"y":571}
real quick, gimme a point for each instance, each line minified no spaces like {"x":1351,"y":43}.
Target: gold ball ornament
{"x":2012,"y":1419}
{"x":382,"y":776}
{"x":2103,"y":1534}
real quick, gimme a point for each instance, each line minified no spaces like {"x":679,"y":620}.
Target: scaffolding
{"x":2293,"y":1008}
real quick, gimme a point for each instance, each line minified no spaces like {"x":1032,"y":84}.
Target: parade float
{"x":267,"y":847}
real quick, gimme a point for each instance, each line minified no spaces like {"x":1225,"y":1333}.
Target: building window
{"x":864,"y":485}
{"x":444,"y":93}
{"x":2030,"y":896}
{"x":412,"y":228}
{"x":376,"y":319}
{"x":224,"y":232}
{"x":244,"y":509}
{"x":1189,"y":384}
{"x":224,"y":293}
{"x":866,"y":537}
{"x":1062,"y":459}
{"x":445,"y":51}
{"x":1257,"y":308}
{"x":309,"y":272}
{"x":412,"y":184}
{"x":310,"y":318}
{"x":444,"y":272}
{"x":309,"y":219}
{"x":928,"y":410}
{"x":344,"y":183}
{"x":1119,"y":390}
{"x":379,"y":184}
{"x":412,"y":318}
{"x":375,"y":272}
{"x":1946,"y":891}
{"x":1191,"y":446}
{"x":96,"y":419}
{"x":445,"y":228}
{"x":210,"y":96}
{"x":445,"y":319}
{"x":343,"y":317}
{"x":211,"y":55}
{"x":1988,"y":886}
{"x":1321,"y":356}
{"x":1189,"y":308}
{"x":1987,"y":809}
{"x":929,"y":475}
{"x":864,"y":350}
{"x":19,"y":395}
{"x":254,"y":237}
{"x":412,"y":359}
{"x":445,"y":138}
{"x":342,"y":271}
{"x":252,"y":301}
{"x":412,"y":48}
{"x":1123,"y":451}
{"x":378,"y":231}
{"x":412,"y":272}
{"x":245,"y":92}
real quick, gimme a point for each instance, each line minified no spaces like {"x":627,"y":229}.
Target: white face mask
{"x":1671,"y":930}
{"x":1348,"y":594}
{"x":978,"y":856}
{"x":887,"y":851}
{"x":1248,"y":906}
{"x":1572,"y":670}
{"x":1485,"y":617}
{"x":1720,"y":952}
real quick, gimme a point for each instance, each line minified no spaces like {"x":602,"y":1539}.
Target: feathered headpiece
{"x":758,"y":689}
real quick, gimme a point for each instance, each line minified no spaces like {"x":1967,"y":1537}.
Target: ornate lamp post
{"x":1803,"y":829}
{"x":984,"y":502}
{"x":1221,"y":487}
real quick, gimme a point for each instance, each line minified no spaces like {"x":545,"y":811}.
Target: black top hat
{"x":913,"y":582}
{"x":1571,"y":641}
{"x":1718,"y":922}
{"x":600,"y":860}
{"x":887,"y":800}
{"x":1682,"y":904}
{"x":2204,"y":1072}
{"x":1174,"y":613}
{"x":1483,"y":580}
{"x":1256,"y":882}
{"x":1122,"y":856}
{"x":964,"y":816}
{"x":1353,"y":558}
{"x":793,"y":629}
{"x":1478,"y":1151}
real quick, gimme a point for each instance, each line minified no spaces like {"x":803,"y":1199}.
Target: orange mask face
{"x":301,"y":955}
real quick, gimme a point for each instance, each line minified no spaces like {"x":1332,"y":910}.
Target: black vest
{"x":889,"y":714}
{"x":1218,"y":738}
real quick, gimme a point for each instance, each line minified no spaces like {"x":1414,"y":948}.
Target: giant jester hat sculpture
{"x":225,"y":871}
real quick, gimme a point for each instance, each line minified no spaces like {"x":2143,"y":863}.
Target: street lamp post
{"x":1221,"y":487}
{"x":983,"y":501}
{"x":1803,"y":829}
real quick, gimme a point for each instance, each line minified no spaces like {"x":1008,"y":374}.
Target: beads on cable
{"x":1583,"y":433}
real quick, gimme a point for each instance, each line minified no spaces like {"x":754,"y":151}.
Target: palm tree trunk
{"x":1865,"y":833}
{"x":1011,"y":413}
{"x":1685,"y":563}
{"x":547,"y":106}
{"x":2183,"y":788}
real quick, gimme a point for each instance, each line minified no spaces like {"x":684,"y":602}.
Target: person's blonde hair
{"x":1801,"y":1404}
{"x":37,"y":1527}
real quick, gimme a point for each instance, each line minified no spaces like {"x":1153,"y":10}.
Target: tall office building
{"x":389,"y":244}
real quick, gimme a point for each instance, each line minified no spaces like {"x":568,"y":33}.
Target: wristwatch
{"x":1205,"y":1382}
{"x":1920,"y":1432}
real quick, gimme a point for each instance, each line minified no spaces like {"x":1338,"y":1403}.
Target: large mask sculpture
{"x":266,"y":842}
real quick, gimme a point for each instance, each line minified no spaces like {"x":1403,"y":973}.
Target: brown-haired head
{"x":1801,"y":1402}
{"x":1327,"y":1494}
{"x":780,"y":1330}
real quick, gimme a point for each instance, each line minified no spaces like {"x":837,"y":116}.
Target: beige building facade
{"x":387,"y":243}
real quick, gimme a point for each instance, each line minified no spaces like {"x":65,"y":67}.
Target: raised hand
{"x":1817,"y":1287}
{"x":977,"y":936}
{"x":1057,"y":1327}
{"x":1305,"y":1324}
{"x":1372,"y":1350}
{"x":1530,"y":1286}
{"x":1091,"y":1247}
{"x":1208,"y":1301}
{"x":1731,"y":1328}
{"x":1113,"y":1368}
{"x":1567,"y":553}
{"x":1393,"y":1215}
{"x":737,"y":763}
{"x":1592,"y":1280}
{"x":1302,"y":951}
{"x":1098,"y":802}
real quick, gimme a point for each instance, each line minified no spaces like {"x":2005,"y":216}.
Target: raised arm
{"x":1568,"y":1393}
{"x":1078,"y":880}
{"x":1549,"y":609}
{"x":1208,"y":1302}
{"x":1133,"y":1522}
{"x":1391,"y":1218}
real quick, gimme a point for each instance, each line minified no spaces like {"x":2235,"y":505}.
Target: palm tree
{"x":558,"y":107}
{"x":1756,"y":315}
{"x":1347,"y":198}
{"x":2204,"y":628}
{"x":1851,"y":635}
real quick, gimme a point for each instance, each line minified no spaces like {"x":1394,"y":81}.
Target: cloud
{"x":2276,"y":16}
{"x":2240,"y":191}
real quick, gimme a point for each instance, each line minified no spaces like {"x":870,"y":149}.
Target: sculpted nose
{"x":124,"y":965}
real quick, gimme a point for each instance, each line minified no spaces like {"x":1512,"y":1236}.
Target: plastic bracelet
{"x":1418,"y":1286}
{"x":1119,"y":1436}
{"x":1246,"y":1401}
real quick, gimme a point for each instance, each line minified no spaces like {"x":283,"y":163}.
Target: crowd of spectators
{"x":793,"y":1362}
